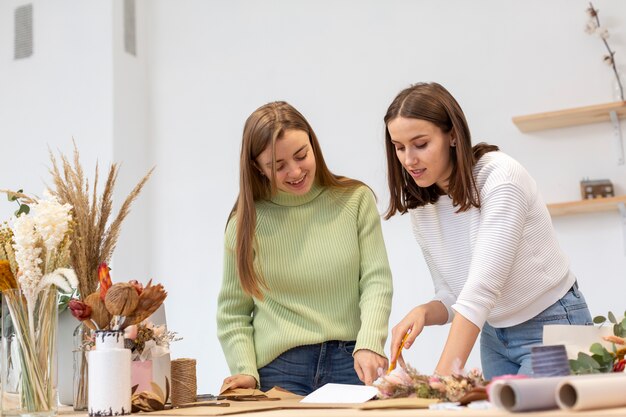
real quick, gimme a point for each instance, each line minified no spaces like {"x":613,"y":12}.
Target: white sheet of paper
{"x":576,"y":338}
{"x":341,"y":393}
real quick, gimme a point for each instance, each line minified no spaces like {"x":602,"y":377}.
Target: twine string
{"x":184,"y":386}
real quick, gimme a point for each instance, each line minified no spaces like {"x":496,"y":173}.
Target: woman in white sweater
{"x":485,"y":233}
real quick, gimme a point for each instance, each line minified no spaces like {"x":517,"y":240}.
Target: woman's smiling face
{"x":295,"y":162}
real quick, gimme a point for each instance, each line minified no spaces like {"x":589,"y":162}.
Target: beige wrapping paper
{"x":525,"y":394}
{"x":587,"y":393}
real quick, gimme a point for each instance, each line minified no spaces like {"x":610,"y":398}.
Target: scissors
{"x":392,"y":365}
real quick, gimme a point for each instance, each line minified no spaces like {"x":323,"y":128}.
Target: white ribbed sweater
{"x":500,"y":263}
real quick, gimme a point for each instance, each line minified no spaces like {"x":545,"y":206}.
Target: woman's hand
{"x":414,"y":321}
{"x":240,"y":381}
{"x":428,"y":314}
{"x":369,"y":365}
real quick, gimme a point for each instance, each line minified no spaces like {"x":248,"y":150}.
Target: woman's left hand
{"x":369,"y":365}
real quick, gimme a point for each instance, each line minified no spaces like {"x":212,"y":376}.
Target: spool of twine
{"x":184,"y":386}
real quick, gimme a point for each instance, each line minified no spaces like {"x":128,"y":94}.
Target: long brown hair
{"x":433,"y":103}
{"x":263,"y":128}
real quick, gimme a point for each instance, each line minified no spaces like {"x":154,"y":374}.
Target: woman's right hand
{"x":431,"y":313}
{"x":240,"y":381}
{"x":414,"y":321}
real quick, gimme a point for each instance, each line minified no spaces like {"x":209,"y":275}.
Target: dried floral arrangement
{"x":602,"y":360}
{"x":94,"y":236}
{"x":117,"y":306}
{"x":34,"y":246}
{"x":594,"y":27}
{"x":148,"y":341}
{"x":401,"y":383}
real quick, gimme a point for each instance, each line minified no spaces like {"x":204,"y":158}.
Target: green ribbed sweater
{"x":324,"y":260}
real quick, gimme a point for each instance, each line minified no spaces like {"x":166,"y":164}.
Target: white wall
{"x":63,"y":91}
{"x":206,"y":65}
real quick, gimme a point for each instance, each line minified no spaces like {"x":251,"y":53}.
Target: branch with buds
{"x":593,"y":27}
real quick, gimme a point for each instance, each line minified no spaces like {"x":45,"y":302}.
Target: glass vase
{"x":28,"y":363}
{"x":82,"y":335}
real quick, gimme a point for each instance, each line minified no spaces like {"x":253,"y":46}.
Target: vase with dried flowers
{"x":110,"y":310}
{"x":96,"y":233}
{"x":594,"y":27}
{"x":36,"y":247}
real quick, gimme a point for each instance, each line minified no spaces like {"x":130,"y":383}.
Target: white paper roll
{"x":525,"y":394}
{"x":586,"y":393}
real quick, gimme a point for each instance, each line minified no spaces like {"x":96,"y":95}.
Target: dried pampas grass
{"x":94,"y":238}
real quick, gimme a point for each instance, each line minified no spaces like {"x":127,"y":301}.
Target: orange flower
{"x":105,"y":279}
{"x":615,"y":339}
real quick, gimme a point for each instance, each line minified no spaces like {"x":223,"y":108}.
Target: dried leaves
{"x":151,"y":400}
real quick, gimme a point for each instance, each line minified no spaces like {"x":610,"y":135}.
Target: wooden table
{"x":256,"y":410}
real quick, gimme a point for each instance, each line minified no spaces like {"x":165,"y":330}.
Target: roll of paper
{"x":587,"y":393}
{"x":525,"y":394}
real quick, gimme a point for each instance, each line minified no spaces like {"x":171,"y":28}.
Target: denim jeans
{"x":506,"y":351}
{"x":304,"y":369}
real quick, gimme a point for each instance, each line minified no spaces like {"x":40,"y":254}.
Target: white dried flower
{"x":44,"y":227}
{"x":64,"y":278}
{"x":27,"y":253}
{"x":603,"y":33}
{"x":51,"y":220}
{"x":591,"y":27}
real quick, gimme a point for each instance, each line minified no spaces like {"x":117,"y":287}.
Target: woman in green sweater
{"x":306,"y":292}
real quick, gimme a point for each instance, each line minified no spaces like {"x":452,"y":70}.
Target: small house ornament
{"x":590,"y":189}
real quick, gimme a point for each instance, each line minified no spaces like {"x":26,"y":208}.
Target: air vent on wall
{"x":130,"y":39}
{"x":23,"y":31}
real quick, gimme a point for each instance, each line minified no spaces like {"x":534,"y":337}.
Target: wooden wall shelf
{"x":587,"y":206}
{"x":570,"y":117}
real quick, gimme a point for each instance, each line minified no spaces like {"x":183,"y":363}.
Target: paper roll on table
{"x":582,"y":392}
{"x":601,"y":391}
{"x":525,"y":394}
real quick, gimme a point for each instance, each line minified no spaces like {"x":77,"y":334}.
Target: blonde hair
{"x":263,"y":128}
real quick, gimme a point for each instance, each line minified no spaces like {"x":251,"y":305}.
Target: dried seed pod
{"x":99,"y":313}
{"x":121,"y":299}
{"x":150,"y":299}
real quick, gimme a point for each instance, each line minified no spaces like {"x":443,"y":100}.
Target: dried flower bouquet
{"x":94,"y":236}
{"x":35,"y":245}
{"x":117,"y":306}
{"x":401,"y":383}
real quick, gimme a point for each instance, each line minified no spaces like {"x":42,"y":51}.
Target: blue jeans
{"x":304,"y":369}
{"x":506,"y":351}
